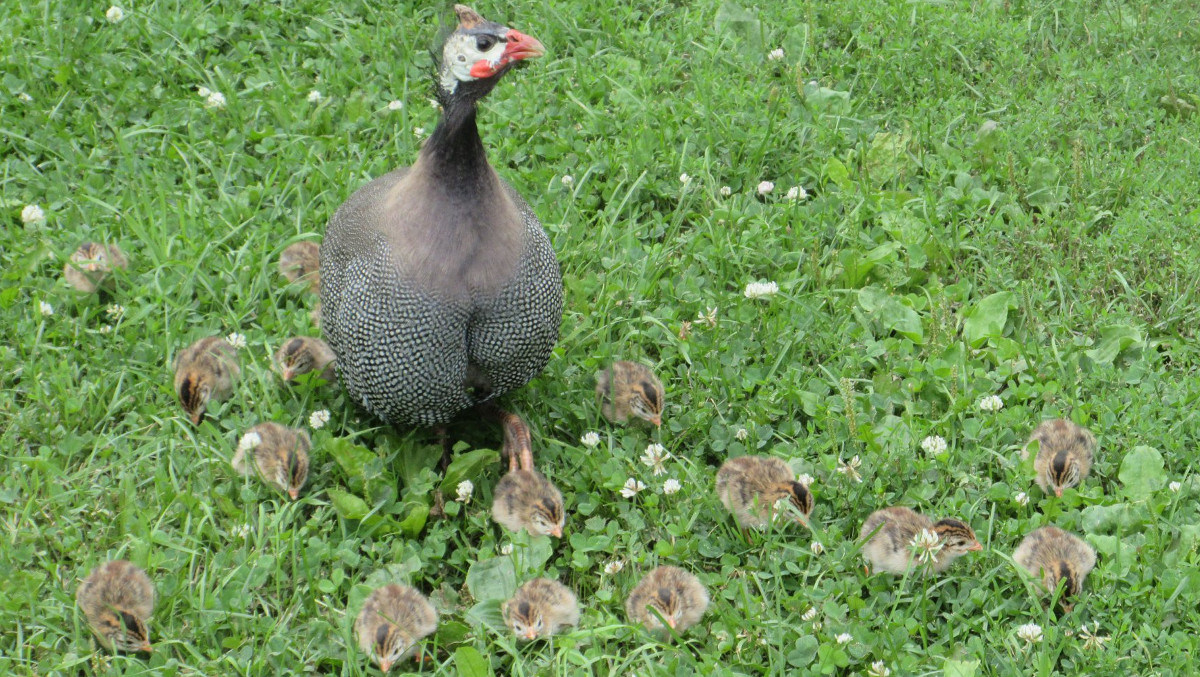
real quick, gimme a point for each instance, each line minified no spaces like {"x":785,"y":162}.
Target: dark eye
{"x":484,"y":42}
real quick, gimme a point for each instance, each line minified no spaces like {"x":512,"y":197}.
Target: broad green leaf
{"x":488,"y":614}
{"x":953,"y":668}
{"x":414,"y":459}
{"x":467,"y":466}
{"x":891,"y":313}
{"x":414,"y":520}
{"x":986,"y":318}
{"x":803,"y":652}
{"x":350,"y":457}
{"x":1044,"y":189}
{"x":494,"y":578}
{"x":826,"y":100}
{"x":347,"y":505}
{"x":742,"y":26}
{"x":836,"y":172}
{"x":530,"y":553}
{"x":1106,"y":518}
{"x":1142,"y":472}
{"x":470,"y":663}
{"x":887,"y":156}
{"x":1112,"y":341}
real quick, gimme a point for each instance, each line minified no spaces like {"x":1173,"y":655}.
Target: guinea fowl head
{"x":477,"y":54}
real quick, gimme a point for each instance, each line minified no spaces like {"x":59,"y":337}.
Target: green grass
{"x":1003,"y":200}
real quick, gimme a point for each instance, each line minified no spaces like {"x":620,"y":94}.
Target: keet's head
{"x":646,"y":399}
{"x":546,"y":518}
{"x":195,"y":388}
{"x":479,"y":52}
{"x":1064,"y":472}
{"x":123,"y":630}
{"x":956,"y":537}
{"x":523,"y":618}
{"x":391,"y":645}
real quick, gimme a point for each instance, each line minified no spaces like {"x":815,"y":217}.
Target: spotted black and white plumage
{"x":440,"y":290}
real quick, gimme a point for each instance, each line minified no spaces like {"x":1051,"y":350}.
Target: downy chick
{"x":91,"y":264}
{"x":890,"y":534}
{"x":279,"y":455}
{"x":304,"y":354}
{"x":629,"y":388}
{"x":540,"y":608}
{"x":393,"y":619}
{"x":750,"y":486}
{"x":677,"y":595}
{"x":117,"y":599}
{"x":301,"y":261}
{"x":205,"y":372}
{"x":525,"y":499}
{"x":1065,"y":452}
{"x":1055,"y":555}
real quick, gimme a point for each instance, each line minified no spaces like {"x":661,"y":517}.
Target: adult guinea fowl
{"x":439,"y":288}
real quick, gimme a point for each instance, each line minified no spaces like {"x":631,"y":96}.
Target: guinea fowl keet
{"x":393,"y":619}
{"x":750,"y":487}
{"x":1065,"y":453}
{"x":627,"y":389}
{"x":898,"y":539}
{"x":205,"y":372}
{"x":439,"y":288}
{"x":1053,"y":556}
{"x":117,"y":599}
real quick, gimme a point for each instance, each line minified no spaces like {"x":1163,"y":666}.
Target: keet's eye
{"x":484,"y":42}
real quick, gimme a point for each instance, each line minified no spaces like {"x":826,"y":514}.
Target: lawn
{"x":993,"y":198}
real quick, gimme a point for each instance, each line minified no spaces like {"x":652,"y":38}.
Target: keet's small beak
{"x":657,"y":421}
{"x":197,"y":417}
{"x":975,"y":546}
{"x":556,"y":532}
{"x":288,"y":374}
{"x":671,"y":622}
{"x":530,"y":634}
{"x":385,"y":665}
{"x":146,"y":647}
{"x":1058,"y":492}
{"x":294,"y":493}
{"x":521,"y":46}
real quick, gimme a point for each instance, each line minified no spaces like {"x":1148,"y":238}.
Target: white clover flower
{"x":806,"y":479}
{"x":925,"y":545}
{"x":464,"y":490}
{"x":396,"y":104}
{"x":775,"y":54}
{"x":844,"y":638}
{"x":742,"y":434}
{"x":115,"y":310}
{"x":613,"y":567}
{"x":418,"y":132}
{"x":757,"y":290}
{"x":24,"y":97}
{"x":318,"y":419}
{"x":114,"y":14}
{"x":506,"y":549}
{"x":1030,"y":632}
{"x":241,"y":531}
{"x":809,"y":615}
{"x":1174,"y":487}
{"x":236,"y":340}
{"x":45,"y":308}
{"x":203,"y":91}
{"x":106,"y":329}
{"x":708,"y":317}
{"x":816,"y":547}
{"x":816,"y":626}
{"x":567,"y":180}
{"x":1092,"y":640}
{"x":1021,"y":498}
{"x":850,"y":468}
{"x":879,"y":669}
{"x":934,"y":445}
{"x":590,"y":439}
{"x":632,"y":488}
{"x":725,"y":191}
{"x":765,"y":187}
{"x":991,"y":403}
{"x":671,"y":486}
{"x":654,"y":457}
{"x":249,"y":442}
{"x":685,"y":179}
{"x":32,"y":215}
{"x":797,"y":194}
{"x":215,"y":100}
{"x":315,"y":96}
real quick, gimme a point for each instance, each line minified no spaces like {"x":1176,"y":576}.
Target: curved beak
{"x":657,"y":421}
{"x":146,"y":647}
{"x":975,"y":546}
{"x":385,"y":665}
{"x":530,"y":634}
{"x":294,"y":493}
{"x":197,"y":417}
{"x":1058,"y":492}
{"x":288,"y":374}
{"x":670,"y":622}
{"x":521,"y":46}
{"x":556,"y":531}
